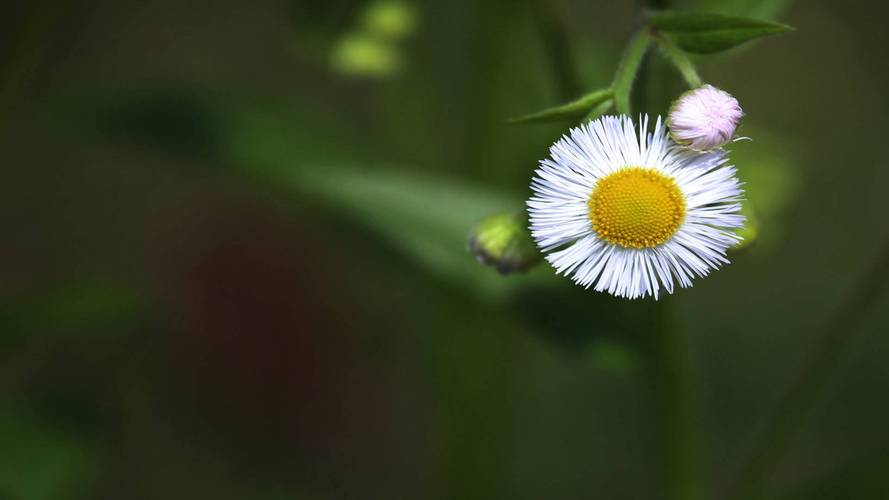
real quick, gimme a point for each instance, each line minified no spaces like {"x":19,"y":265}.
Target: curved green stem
{"x":681,"y":60}
{"x":627,"y":70}
{"x":600,"y":109}
{"x":664,"y":341}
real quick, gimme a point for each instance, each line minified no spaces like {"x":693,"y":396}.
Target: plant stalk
{"x":667,"y":382}
{"x":665,"y":343}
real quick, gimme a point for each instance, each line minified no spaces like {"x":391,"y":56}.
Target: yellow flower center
{"x":636,"y":207}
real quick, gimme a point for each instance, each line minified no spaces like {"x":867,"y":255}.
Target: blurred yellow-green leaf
{"x":363,"y":55}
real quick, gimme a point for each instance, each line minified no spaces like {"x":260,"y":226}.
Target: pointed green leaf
{"x":571,"y":110}
{"x":759,"y":9}
{"x":705,"y":33}
{"x":626,"y":71}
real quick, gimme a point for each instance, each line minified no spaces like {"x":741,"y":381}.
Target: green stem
{"x":599,"y":110}
{"x":683,"y":482}
{"x":627,"y":70}
{"x":681,"y":60}
{"x":777,"y":433}
{"x":665,"y":347}
{"x":667,"y":381}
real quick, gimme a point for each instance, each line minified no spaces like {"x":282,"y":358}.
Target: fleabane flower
{"x":704,"y":118}
{"x":629,"y":212}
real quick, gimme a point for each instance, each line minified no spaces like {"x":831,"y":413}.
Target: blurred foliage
{"x":427,"y":217}
{"x":237,"y":267}
{"x":862,"y":478}
{"x":771,"y":184}
{"x":393,"y":19}
{"x":371,"y":49}
{"x":40,"y":462}
{"x":750,"y":231}
{"x":76,"y":306}
{"x":615,"y":357}
{"x":363,"y":55}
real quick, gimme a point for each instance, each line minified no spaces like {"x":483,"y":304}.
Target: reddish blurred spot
{"x":266,"y":337}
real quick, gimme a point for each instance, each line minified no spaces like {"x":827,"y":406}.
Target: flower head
{"x":627,"y":212}
{"x":704,"y":118}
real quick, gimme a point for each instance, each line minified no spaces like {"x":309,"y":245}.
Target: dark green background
{"x":231,"y":269}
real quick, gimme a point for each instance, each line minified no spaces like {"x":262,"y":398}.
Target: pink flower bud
{"x":704,"y":118}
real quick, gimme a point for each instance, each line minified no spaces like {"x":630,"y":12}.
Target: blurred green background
{"x":235,"y":258}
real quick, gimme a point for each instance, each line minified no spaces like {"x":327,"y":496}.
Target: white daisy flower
{"x":627,"y":213}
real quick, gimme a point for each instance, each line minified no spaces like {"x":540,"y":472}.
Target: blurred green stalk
{"x":665,"y":350}
{"x":663,"y":341}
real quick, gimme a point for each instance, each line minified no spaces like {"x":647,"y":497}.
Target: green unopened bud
{"x":503,"y":241}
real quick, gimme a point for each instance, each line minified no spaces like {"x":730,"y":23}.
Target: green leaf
{"x":572,"y":110}
{"x":759,"y":9}
{"x":427,"y":218}
{"x":626,"y":71}
{"x":705,"y":33}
